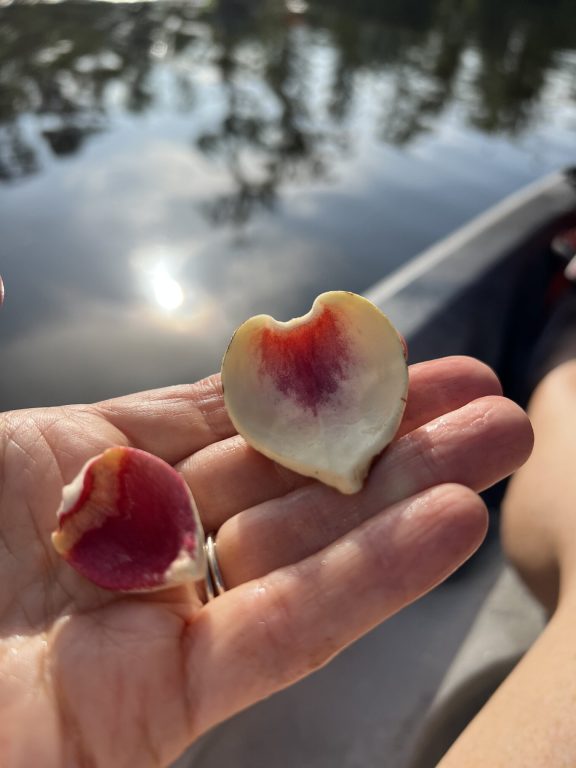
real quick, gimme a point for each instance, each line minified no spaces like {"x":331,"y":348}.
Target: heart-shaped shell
{"x":320,"y":394}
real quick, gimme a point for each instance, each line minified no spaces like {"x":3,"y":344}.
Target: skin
{"x":529,"y":722}
{"x":86,"y":670}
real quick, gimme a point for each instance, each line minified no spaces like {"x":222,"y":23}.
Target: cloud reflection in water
{"x":167,"y":170}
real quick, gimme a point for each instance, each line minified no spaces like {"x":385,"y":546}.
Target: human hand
{"x":90,"y":677}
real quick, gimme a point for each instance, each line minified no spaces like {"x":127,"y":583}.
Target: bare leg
{"x":530,"y":721}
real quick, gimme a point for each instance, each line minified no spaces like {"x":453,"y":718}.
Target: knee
{"x":538,"y":522}
{"x":558,"y":387}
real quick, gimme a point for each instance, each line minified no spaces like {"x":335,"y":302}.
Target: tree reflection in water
{"x":289,"y":85}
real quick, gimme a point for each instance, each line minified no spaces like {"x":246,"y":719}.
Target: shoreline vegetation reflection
{"x":287,"y":85}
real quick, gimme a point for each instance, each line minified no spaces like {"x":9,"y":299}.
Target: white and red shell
{"x":128,"y":522}
{"x":320,"y":394}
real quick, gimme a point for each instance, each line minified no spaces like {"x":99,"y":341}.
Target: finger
{"x":440,"y":386}
{"x":172,"y":422}
{"x":294,"y":620}
{"x":474,"y":446}
{"x":229,"y":476}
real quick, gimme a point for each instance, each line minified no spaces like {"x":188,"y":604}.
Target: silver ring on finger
{"x":214,"y":581}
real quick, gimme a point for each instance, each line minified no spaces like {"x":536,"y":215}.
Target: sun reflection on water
{"x":167,"y":291}
{"x":174,"y":301}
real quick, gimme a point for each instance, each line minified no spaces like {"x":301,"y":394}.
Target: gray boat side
{"x":457,"y":297}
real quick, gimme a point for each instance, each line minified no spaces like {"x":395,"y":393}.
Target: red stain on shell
{"x":148,"y":521}
{"x":308,"y":362}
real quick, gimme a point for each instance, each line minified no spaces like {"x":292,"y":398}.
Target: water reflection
{"x":166,"y":170}
{"x":75,"y":68}
{"x":156,"y":268}
{"x":167,"y":291}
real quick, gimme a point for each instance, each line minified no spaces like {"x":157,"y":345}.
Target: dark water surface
{"x":167,"y":170}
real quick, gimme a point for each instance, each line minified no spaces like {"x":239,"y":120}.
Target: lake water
{"x":168,"y":170}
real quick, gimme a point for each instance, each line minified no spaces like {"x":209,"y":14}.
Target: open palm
{"x":94,"y":678}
